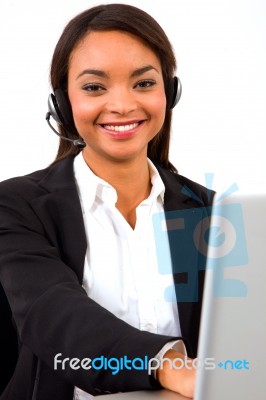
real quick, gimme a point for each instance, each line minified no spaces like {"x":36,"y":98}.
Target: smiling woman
{"x":84,"y":282}
{"x":133,"y":26}
{"x":118,"y":108}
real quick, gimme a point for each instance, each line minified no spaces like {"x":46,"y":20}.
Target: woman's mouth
{"x":120,"y":130}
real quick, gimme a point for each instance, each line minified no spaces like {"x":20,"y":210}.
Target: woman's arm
{"x":52,"y":311}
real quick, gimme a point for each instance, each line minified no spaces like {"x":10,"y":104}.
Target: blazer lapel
{"x":187,"y":268}
{"x":59,"y":209}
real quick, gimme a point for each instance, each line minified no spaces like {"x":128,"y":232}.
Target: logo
{"x":115,"y":365}
{"x":238,"y":365}
{"x":189,"y":240}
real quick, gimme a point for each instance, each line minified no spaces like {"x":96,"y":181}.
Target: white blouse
{"x":120,"y":269}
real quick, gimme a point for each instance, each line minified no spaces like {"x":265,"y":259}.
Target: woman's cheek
{"x":81,"y":114}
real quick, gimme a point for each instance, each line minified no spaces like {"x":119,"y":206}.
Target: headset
{"x":59,"y":109}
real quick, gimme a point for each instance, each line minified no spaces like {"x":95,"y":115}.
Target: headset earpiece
{"x":53,"y":108}
{"x":173,"y":92}
{"x":60,"y":110}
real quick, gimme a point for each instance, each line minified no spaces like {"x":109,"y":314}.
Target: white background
{"x":219,"y":124}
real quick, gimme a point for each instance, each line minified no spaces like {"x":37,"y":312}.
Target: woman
{"x":77,"y":253}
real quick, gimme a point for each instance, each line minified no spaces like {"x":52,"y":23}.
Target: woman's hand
{"x":178,"y":379}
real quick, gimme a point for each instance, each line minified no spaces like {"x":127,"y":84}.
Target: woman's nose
{"x":121,"y":101}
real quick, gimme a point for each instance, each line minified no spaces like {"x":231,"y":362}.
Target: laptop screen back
{"x":232,"y":346}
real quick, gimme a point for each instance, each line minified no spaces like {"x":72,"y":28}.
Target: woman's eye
{"x":146,"y":83}
{"x":93,"y":87}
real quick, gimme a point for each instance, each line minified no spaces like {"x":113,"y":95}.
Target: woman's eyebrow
{"x":142,"y":70}
{"x":102,"y":74}
{"x":97,"y":72}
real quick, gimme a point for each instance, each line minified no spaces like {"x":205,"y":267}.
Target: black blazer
{"x":42,"y":251}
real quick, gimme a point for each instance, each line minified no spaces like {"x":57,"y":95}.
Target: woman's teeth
{"x":121,"y":128}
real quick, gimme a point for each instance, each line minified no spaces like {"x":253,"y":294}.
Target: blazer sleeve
{"x":52,"y":312}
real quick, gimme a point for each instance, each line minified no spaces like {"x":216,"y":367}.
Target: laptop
{"x":233,"y":321}
{"x":232,"y":343}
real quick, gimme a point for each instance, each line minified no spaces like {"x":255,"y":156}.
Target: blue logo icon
{"x":186,"y":238}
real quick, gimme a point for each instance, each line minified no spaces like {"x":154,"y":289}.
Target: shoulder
{"x":176,"y":184}
{"x":189,"y":185}
{"x":40,"y":181}
{"x":26,"y":184}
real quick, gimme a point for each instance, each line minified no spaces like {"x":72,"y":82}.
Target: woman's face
{"x":116,"y":90}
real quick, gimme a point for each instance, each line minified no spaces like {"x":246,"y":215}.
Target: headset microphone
{"x":77,"y":142}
